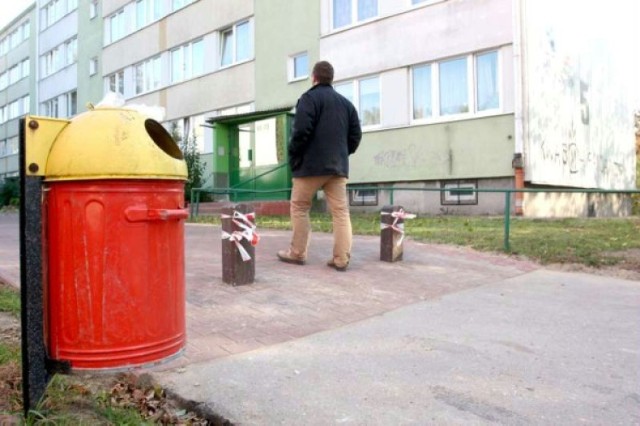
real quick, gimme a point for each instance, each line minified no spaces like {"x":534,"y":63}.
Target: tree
{"x":10,"y":192}
{"x":195,"y":167}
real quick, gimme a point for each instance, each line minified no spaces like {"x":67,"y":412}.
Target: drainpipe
{"x":518,"y":162}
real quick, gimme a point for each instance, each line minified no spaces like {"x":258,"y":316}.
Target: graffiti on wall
{"x":578,"y":105}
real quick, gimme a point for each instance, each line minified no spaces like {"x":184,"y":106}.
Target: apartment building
{"x":57,"y":87}
{"x":17,"y":68}
{"x":452,"y":94}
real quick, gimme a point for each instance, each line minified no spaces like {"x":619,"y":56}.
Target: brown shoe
{"x":287,"y":257}
{"x":332,"y":264}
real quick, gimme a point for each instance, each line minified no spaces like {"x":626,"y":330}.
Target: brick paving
{"x":290,"y":301}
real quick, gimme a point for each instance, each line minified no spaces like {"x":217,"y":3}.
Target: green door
{"x":262,"y":160}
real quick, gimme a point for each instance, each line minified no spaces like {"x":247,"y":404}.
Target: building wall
{"x":579,"y":92}
{"x":298,"y":31}
{"x":478,"y":148}
{"x":90,"y":86}
{"x":404,"y":35}
{"x":475,"y":144}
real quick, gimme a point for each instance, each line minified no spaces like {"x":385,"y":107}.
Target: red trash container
{"x":114,"y":211}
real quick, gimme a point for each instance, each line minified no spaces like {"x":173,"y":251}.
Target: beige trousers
{"x":335,"y":190}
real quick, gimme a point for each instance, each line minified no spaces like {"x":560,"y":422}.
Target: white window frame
{"x":152,"y":11}
{"x":118,"y":82}
{"x":187,"y":65}
{"x":72,"y":107}
{"x":26,"y":104}
{"x":448,"y":197}
{"x":472,"y":96}
{"x":291,"y":67}
{"x":117,"y":26}
{"x":55,"y":10}
{"x":59,"y":57}
{"x":233,"y":29}
{"x":149,"y":81}
{"x":93,"y":9}
{"x":355,"y":98}
{"x":354,"y":15}
{"x":488,"y":111}
{"x":93,"y":66}
{"x":179,"y":4}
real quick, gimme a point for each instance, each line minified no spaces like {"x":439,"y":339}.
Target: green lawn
{"x":588,"y":241}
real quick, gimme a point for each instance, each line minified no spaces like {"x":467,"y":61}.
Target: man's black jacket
{"x":326,"y":130}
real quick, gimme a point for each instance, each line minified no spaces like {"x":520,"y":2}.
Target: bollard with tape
{"x":239,"y":238}
{"x":392,"y":232}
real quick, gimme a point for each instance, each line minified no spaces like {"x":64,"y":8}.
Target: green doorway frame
{"x":238,"y":152}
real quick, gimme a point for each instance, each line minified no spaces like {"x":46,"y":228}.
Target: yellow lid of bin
{"x":114,"y":143}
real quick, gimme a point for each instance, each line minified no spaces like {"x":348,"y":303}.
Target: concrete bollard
{"x":392,"y":232}
{"x":239,"y":239}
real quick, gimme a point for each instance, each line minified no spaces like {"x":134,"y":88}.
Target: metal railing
{"x":391,"y":189}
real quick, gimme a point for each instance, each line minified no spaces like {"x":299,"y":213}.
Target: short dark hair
{"x":323,"y":72}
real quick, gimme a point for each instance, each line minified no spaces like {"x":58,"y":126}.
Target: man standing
{"x":326,"y":130}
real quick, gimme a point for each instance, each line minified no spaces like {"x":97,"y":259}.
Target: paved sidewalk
{"x":447,"y":336}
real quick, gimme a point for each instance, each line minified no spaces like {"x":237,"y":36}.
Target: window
{"x":56,"y":10}
{"x":51,"y":61}
{"x":72,"y":103}
{"x":487,"y":81}
{"x":26,"y":104}
{"x":117,"y":25}
{"x":59,"y":57}
{"x":3,"y":114}
{"x":116,"y":82}
{"x":4,"y":81}
{"x":179,"y":4}
{"x":461,"y":192}
{"x":93,"y":65}
{"x":147,"y":75}
{"x":363,"y":197}
{"x":298,"y":67}
{"x":454,"y":87}
{"x":236,"y":44}
{"x":14,"y":109}
{"x":454,"y":92}
{"x":71,"y":51}
{"x":346,"y":90}
{"x":301,"y":66}
{"x":26,"y":67}
{"x":187,"y":61}
{"x":422,"y":99}
{"x":369,"y":97}
{"x":93,"y":9}
{"x":12,"y":145}
{"x":15,"y":38}
{"x":14,"y":74}
{"x":26,"y":30}
{"x":50,"y":108}
{"x":365,"y":95}
{"x":346,"y":12}
{"x":148,"y":11}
